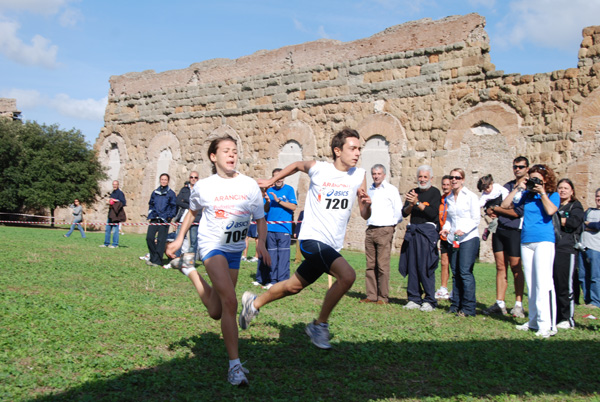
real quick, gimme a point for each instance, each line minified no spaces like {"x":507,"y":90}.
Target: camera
{"x":532,"y":182}
{"x":580,"y":247}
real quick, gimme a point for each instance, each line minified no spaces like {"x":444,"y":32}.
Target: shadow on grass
{"x":289,"y":368}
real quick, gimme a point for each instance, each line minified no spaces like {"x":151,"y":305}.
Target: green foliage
{"x":83,"y":323}
{"x":45,"y":167}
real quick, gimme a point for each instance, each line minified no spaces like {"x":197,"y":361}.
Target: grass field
{"x":83,"y":323}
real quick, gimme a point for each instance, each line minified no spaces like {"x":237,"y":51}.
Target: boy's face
{"x":489,"y":188}
{"x":350,"y":152}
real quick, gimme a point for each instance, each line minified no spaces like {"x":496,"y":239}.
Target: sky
{"x":56,"y":56}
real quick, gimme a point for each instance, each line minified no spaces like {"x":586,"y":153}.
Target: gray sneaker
{"x":411,"y":305}
{"x":319,"y":335}
{"x":426,"y":307}
{"x":247,"y":313}
{"x":237,"y":375}
{"x":495,"y":309}
{"x":517,"y":311}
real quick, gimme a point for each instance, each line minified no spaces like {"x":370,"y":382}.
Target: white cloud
{"x":483,"y":3}
{"x":39,"y":53}
{"x":84,"y":109}
{"x":547,"y":23}
{"x":70,"y":17}
{"x":63,"y":104}
{"x":44,"y":7}
{"x":322,"y":33}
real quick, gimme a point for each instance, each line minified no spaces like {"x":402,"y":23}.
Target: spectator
{"x":540,"y":202}
{"x":419,"y":254}
{"x":77,"y":212}
{"x":281,"y":199}
{"x":442,"y":292}
{"x":162,"y":208}
{"x":116,"y":195}
{"x":183,"y":204}
{"x":567,"y":226}
{"x":589,"y":258}
{"x":461,"y":230}
{"x":492,"y":194}
{"x":386,"y":213}
{"x":506,"y":245}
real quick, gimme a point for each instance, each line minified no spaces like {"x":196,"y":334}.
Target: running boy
{"x":228,"y":199}
{"x":333,"y":189}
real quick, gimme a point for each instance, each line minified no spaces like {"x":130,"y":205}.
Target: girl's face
{"x":565,"y":191}
{"x":164,"y":181}
{"x":225,"y":159}
{"x":489,"y":188}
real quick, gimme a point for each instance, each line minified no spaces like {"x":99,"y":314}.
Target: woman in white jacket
{"x":461,"y":231}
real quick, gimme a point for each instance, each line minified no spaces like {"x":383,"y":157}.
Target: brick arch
{"x":109,"y":142}
{"x":502,"y":117}
{"x":391,"y":129}
{"x":163,"y":141}
{"x":297,"y":131}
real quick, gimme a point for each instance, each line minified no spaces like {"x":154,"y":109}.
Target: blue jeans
{"x":589,"y":276}
{"x":114,"y":228}
{"x":462,"y":261}
{"x":76,"y":224}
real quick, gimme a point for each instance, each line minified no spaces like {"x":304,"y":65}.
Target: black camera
{"x":532,"y":182}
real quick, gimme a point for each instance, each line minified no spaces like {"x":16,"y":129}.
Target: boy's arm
{"x":364,"y":201}
{"x":301,"y":166}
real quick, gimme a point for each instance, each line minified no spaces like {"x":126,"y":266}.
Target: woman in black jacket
{"x":569,"y":217}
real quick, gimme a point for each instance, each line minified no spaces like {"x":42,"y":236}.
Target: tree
{"x":49,"y":167}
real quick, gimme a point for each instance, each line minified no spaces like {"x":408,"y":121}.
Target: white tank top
{"x":329,"y":202}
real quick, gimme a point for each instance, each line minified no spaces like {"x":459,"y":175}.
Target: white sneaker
{"x":102,"y":245}
{"x":167,"y":266}
{"x":412,"y":306}
{"x":256,"y":283}
{"x":237,"y":375}
{"x":253,"y":259}
{"x":426,"y":307}
{"x":564,"y":325}
{"x":268,"y":286}
{"x":111,"y":246}
{"x":145,"y":257}
{"x":243,"y":259}
{"x":247,"y":313}
{"x":545,"y":333}
{"x":319,"y":334}
{"x":525,"y":327}
{"x":442,"y":293}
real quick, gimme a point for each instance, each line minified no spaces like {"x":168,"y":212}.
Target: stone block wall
{"x":428,"y":88}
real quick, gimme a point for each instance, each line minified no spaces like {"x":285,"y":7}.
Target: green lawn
{"x":79,"y":322}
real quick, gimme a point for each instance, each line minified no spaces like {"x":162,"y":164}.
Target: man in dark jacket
{"x":162,"y":208}
{"x":183,"y":205}
{"x":419,"y":253}
{"x":113,"y":226}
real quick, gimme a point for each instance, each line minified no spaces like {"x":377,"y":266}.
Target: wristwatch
{"x":417,"y":204}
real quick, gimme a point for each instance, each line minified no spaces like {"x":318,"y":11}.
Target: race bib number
{"x":335,"y":199}
{"x":235,"y":230}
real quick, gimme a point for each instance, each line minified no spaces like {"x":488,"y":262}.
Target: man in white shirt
{"x":386,"y":213}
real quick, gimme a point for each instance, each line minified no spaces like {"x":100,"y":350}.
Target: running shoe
{"x":525,"y":327}
{"x":495,"y":309}
{"x":255,"y":283}
{"x":253,"y":259}
{"x":103,"y":245}
{"x":145,"y":257}
{"x":237,"y":375}
{"x":545,"y":333}
{"x":442,"y":293}
{"x":517,"y":311}
{"x":243,"y":259}
{"x":111,"y":246}
{"x":411,"y":305}
{"x":268,"y":286}
{"x":564,"y":325}
{"x":248,"y":312}
{"x":426,"y":307}
{"x":319,"y":334}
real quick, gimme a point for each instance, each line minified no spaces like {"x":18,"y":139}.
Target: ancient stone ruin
{"x":8,"y":109}
{"x":424,"y":92}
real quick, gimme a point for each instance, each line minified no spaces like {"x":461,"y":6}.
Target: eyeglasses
{"x":193,"y":177}
{"x":519,"y":166}
{"x":455,"y":177}
{"x":541,"y":167}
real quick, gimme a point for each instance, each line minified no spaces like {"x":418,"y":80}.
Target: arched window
{"x":290,"y":152}
{"x":162,"y":164}
{"x":113,"y":156}
{"x":375,"y":151}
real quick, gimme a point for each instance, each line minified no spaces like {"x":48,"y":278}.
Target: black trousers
{"x":157,"y":248}
{"x":564,"y":266}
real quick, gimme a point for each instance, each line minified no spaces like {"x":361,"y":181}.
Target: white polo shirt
{"x":386,"y":205}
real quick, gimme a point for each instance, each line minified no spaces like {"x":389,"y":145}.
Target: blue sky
{"x":56,"y":56}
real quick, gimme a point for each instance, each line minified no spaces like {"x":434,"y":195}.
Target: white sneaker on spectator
{"x":145,"y":257}
{"x":411,"y":305}
{"x":545,"y":333}
{"x":268,"y":286}
{"x":256,"y":283}
{"x":564,"y":325}
{"x":426,"y":307}
{"x":525,"y":327}
{"x":253,"y":259}
{"x":442,"y":293}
